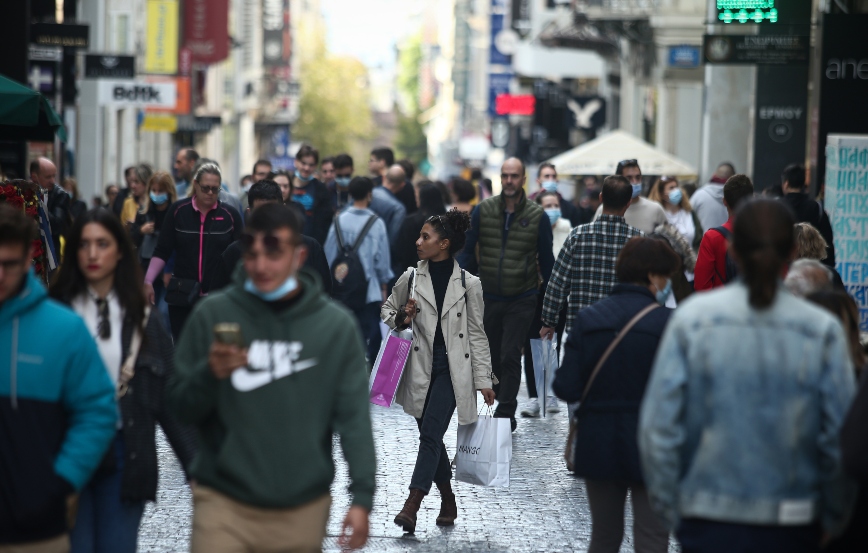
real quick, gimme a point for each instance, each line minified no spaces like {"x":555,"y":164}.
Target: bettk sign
{"x":99,"y":66}
{"x":843,"y":79}
{"x":161,"y":43}
{"x":137,"y":94}
{"x":206,"y":30}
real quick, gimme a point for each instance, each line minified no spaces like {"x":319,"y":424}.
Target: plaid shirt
{"x":585,"y":268}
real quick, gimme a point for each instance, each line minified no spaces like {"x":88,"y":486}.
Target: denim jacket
{"x":741,"y":416}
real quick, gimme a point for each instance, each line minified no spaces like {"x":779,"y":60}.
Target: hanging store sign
{"x":764,"y":12}
{"x":100,"y":66}
{"x":189,"y":123}
{"x":159,"y":122}
{"x":57,"y":34}
{"x":206,"y":30}
{"x":137,"y":94}
{"x":515,"y":104}
{"x":276,"y":37}
{"x":756,"y":49}
{"x":685,"y":56}
{"x":161,"y":46}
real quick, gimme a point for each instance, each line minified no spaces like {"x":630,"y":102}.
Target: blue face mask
{"x":289,"y":285}
{"x":550,"y":185}
{"x":159,"y":199}
{"x":637,"y":189}
{"x":302,"y":179}
{"x":662,"y":295}
{"x":675,"y":196}
{"x":343,"y":182}
{"x":554,"y":215}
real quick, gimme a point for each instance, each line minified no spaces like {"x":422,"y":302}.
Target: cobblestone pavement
{"x":544,"y":509}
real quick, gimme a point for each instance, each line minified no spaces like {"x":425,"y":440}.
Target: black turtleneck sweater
{"x":440,"y":272}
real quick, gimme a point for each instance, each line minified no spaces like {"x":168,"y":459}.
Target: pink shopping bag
{"x":389,"y":367}
{"x":390,"y":363}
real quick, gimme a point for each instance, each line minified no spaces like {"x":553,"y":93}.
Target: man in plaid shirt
{"x":585,"y":268}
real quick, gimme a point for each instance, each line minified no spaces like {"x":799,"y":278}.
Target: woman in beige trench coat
{"x":450,"y":359}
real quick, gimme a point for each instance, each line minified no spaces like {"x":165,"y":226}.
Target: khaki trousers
{"x":223,"y":525}
{"x":59,"y":544}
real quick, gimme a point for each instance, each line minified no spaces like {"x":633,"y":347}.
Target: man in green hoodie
{"x":266,"y":411}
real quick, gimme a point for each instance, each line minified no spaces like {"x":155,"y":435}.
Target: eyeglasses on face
{"x":209,"y":189}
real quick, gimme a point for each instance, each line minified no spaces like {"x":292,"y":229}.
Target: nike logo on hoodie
{"x":269,"y":361}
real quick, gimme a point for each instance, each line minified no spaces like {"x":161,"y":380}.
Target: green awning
{"x":25,"y":114}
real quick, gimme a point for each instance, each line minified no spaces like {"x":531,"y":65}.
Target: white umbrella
{"x":601,"y":155}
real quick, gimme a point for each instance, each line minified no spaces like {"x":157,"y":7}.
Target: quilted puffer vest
{"x":508,"y":257}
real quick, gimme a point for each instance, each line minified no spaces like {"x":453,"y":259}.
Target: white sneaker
{"x":532,"y":409}
{"x":552,"y":405}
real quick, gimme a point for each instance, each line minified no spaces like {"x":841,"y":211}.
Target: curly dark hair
{"x":452,"y":226}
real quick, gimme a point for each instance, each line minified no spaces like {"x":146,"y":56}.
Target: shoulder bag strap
{"x":605,"y":357}
{"x":128,"y":369}
{"x":338,"y":235}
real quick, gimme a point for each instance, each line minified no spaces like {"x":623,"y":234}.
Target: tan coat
{"x":466,"y":342}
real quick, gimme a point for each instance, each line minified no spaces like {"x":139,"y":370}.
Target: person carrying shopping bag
{"x":446,"y":314}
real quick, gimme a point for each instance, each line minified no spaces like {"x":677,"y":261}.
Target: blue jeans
{"x":432,"y":461}
{"x":104,"y":523}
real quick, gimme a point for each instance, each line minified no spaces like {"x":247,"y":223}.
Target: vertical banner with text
{"x":847,"y":205}
{"x":206,"y":30}
{"x":161,"y":39}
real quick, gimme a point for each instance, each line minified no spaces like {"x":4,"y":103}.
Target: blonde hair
{"x":810,"y":242}
{"x":206,"y":166}
{"x":656,"y":194}
{"x":168,"y":183}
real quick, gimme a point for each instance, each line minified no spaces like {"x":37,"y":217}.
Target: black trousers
{"x":506,"y":326}
{"x":432,"y":461}
{"x":177,"y":317}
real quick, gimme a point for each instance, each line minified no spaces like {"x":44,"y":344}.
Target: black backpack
{"x":731,"y":267}
{"x":350,"y":283}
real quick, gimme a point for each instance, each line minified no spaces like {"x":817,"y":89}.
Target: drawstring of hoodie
{"x":13,"y":378}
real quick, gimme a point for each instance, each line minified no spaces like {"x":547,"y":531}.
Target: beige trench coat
{"x":466,"y":342}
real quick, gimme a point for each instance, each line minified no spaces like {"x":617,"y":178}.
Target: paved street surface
{"x":543,"y":510}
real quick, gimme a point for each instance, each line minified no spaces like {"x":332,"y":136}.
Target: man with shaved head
{"x":385,"y":203}
{"x":57,"y":202}
{"x":708,"y":200}
{"x":515,"y":248}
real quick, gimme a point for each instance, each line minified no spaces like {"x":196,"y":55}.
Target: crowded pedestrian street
{"x":544,"y":510}
{"x":433,"y":276}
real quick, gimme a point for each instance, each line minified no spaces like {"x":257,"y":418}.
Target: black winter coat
{"x":810,"y":211}
{"x":143,"y":406}
{"x":608,"y":419}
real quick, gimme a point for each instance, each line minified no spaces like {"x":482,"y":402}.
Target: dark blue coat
{"x":606,"y":445}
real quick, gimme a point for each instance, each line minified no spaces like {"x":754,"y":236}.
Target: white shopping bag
{"x":484,"y":452}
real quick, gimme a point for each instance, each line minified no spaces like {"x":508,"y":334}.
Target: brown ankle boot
{"x":448,"y":508}
{"x":407,"y":517}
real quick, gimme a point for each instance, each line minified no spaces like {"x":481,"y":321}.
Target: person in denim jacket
{"x":738,"y":432}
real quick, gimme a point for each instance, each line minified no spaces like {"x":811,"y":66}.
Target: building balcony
{"x":616,"y":10}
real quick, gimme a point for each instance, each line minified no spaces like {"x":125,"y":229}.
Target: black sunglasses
{"x":209,"y":189}
{"x":625,"y":162}
{"x":270,"y":242}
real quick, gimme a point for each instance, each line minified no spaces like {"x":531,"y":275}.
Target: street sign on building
{"x":206,"y":30}
{"x":276,"y":38}
{"x":684,"y":56}
{"x":109,"y":66}
{"x":757,"y":49}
